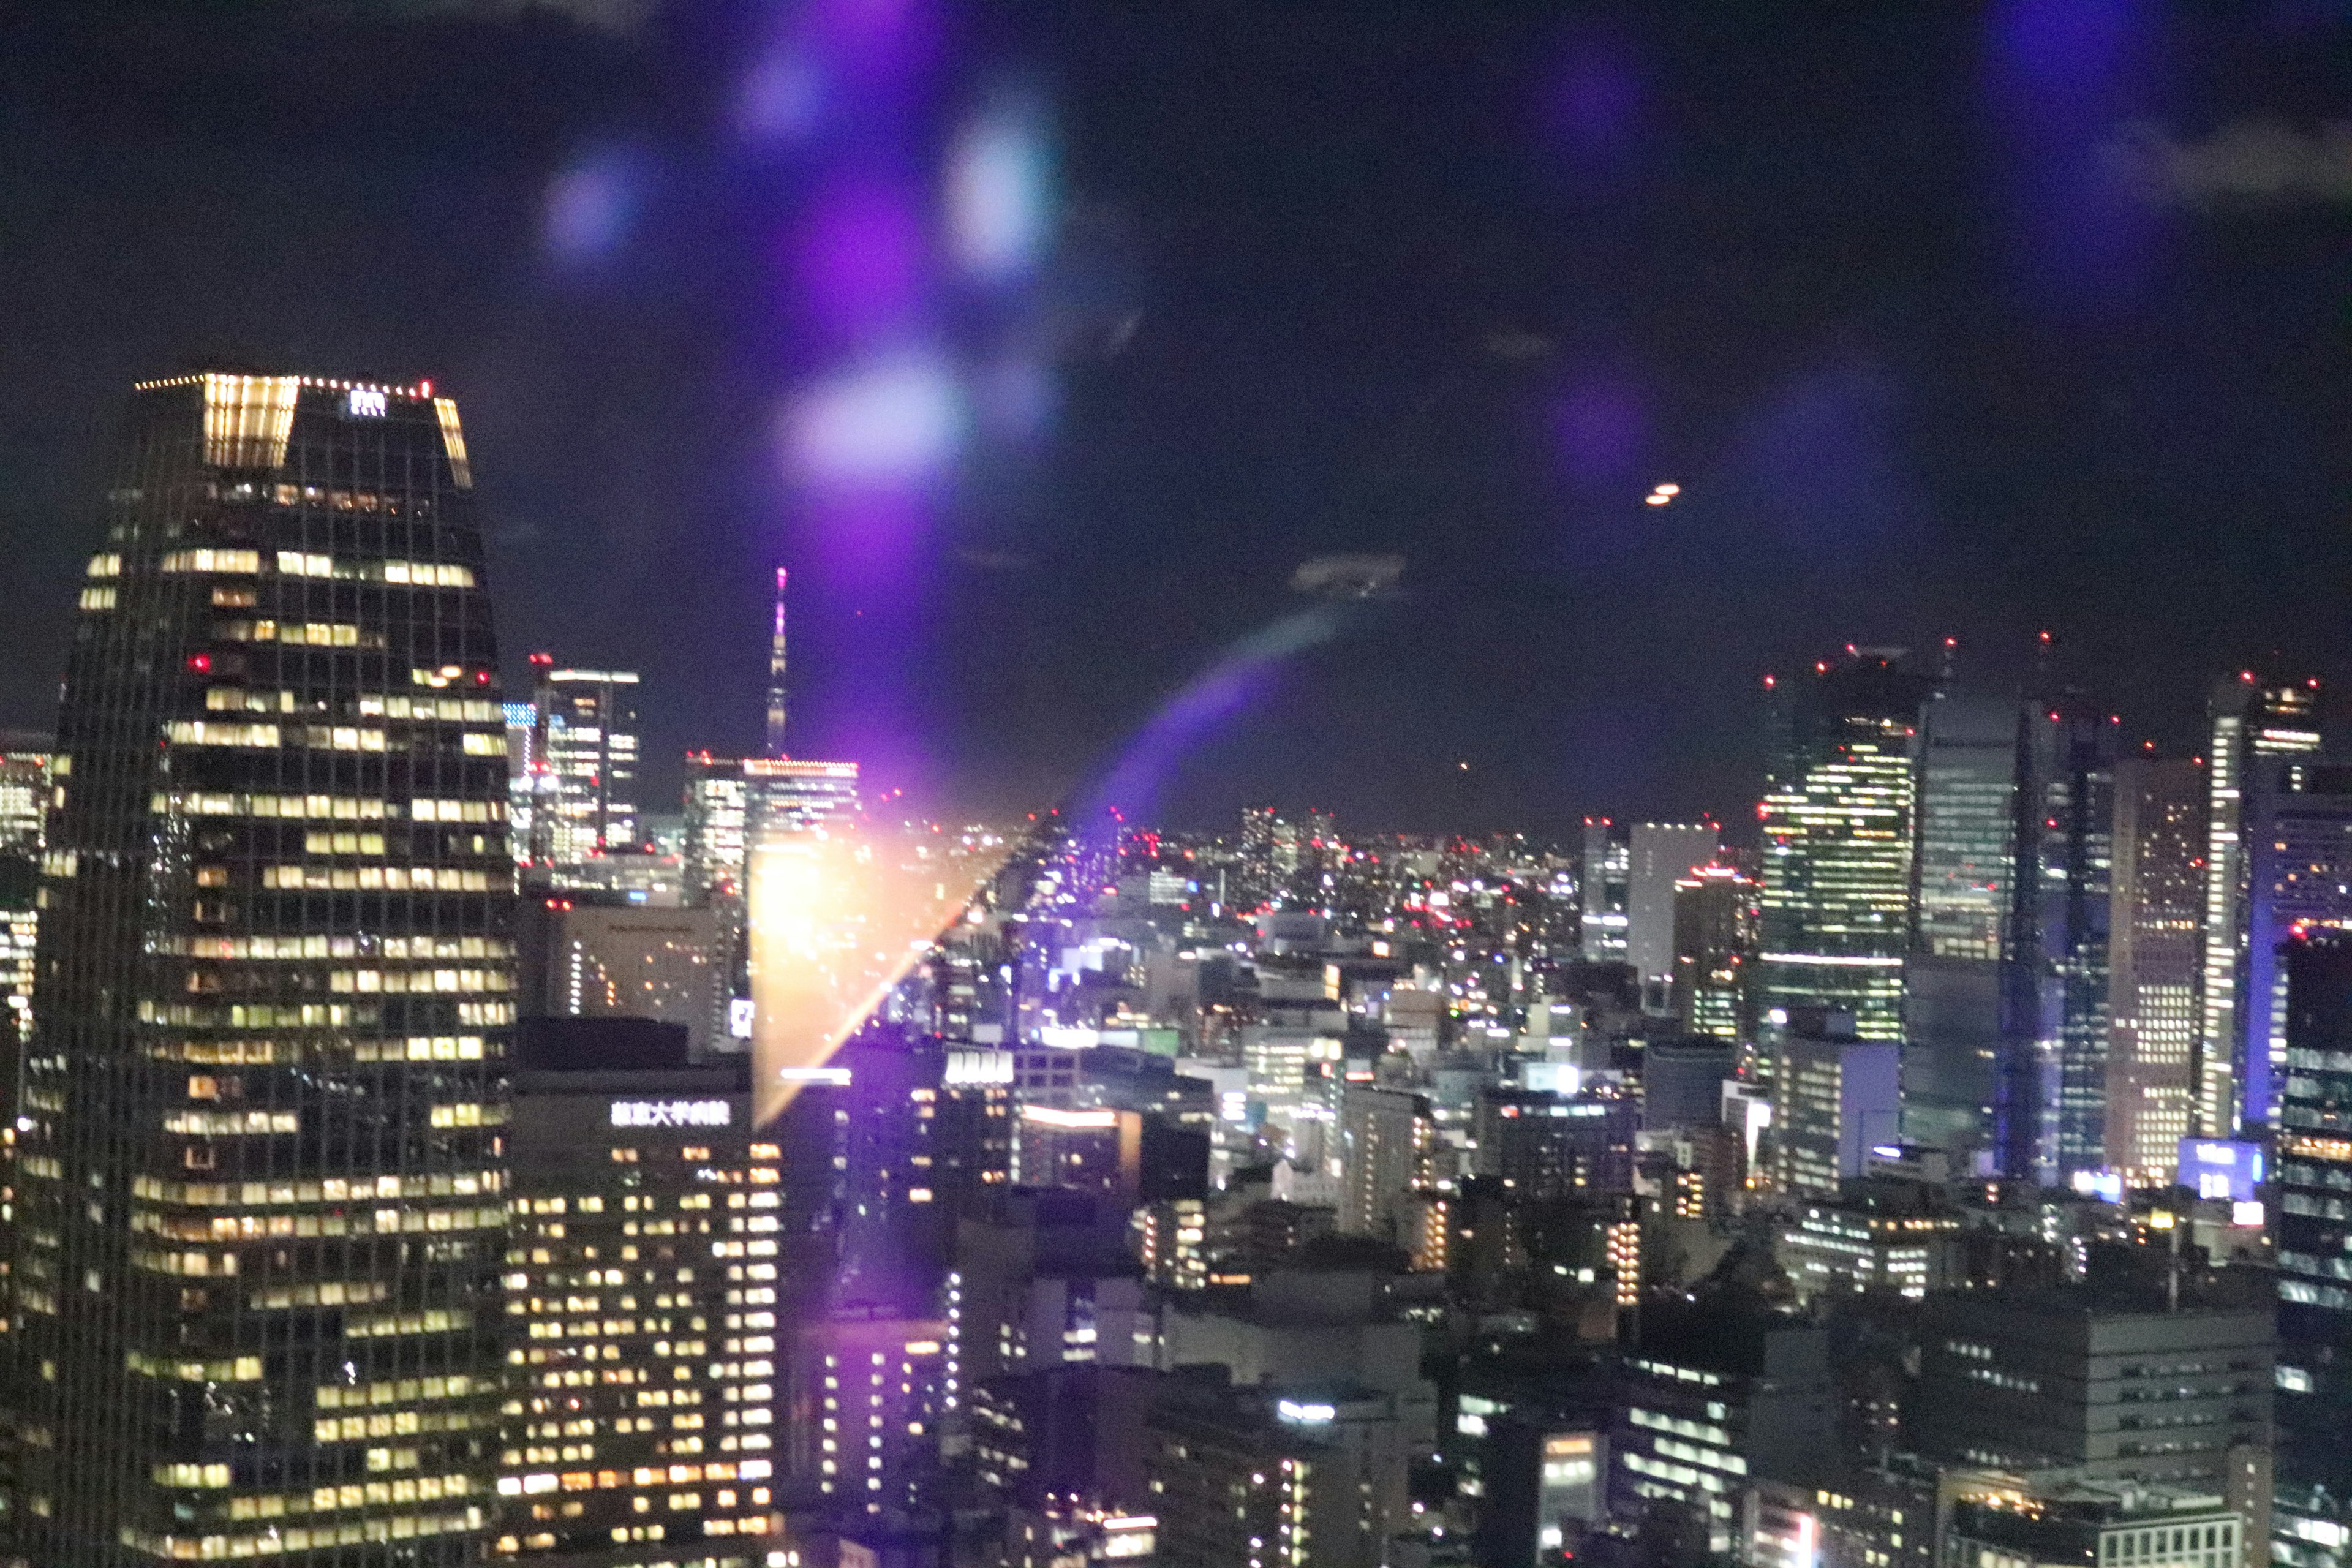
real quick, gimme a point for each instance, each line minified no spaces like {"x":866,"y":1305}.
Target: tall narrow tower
{"x":779,"y":692}
{"x":259,"y":1205}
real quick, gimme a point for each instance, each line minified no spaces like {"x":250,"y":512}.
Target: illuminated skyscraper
{"x":24,"y":788}
{"x":1601,"y":890}
{"x":2156,"y":904}
{"x":2055,"y":1031}
{"x":1841,"y":788}
{"x":1954,"y":981}
{"x":587,"y":742}
{"x":2252,"y":716}
{"x":2297,"y":812}
{"x":778,"y":677}
{"x":260,"y":1203}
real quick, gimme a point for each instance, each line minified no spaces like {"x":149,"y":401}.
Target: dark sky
{"x":1949,"y":319}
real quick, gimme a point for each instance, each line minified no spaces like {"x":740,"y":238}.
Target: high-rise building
{"x":778,"y":677}
{"x":2254,"y":716}
{"x":2156,"y":902}
{"x":1954,"y":986}
{"x":524,"y":772}
{"x":1837,"y":823}
{"x":641,"y":1312}
{"x":2297,"y":848}
{"x":24,"y":787}
{"x":1601,"y":890}
{"x":1659,"y":854}
{"x":2051,"y":1095}
{"x":1834,"y":1097}
{"x":1714,"y":951}
{"x":1387,"y":1137}
{"x":635,"y":961}
{"x":260,"y":1205}
{"x":2313,"y":1226}
{"x":588,"y":740}
{"x":1967,"y":826}
{"x":2022,"y":1381}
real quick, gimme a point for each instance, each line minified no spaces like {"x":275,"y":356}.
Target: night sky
{"x":1950,"y":321}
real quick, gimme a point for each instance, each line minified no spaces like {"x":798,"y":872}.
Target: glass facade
{"x":1837,"y":824}
{"x":2312,"y":1517}
{"x":2251,"y":716}
{"x":260,"y":1206}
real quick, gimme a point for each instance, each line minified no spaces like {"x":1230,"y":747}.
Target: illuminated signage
{"x":360,"y":402}
{"x":2221,"y":1168}
{"x":740,"y":1010}
{"x":673,"y":1113}
{"x":978,"y":1066}
{"x":1047,"y":1116}
{"x":832,"y":1078}
{"x":1305,"y":1414}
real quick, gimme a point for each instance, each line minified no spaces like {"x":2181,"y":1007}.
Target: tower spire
{"x":778,"y":691}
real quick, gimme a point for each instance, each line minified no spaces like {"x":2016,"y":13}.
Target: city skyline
{"x":2097,"y":454}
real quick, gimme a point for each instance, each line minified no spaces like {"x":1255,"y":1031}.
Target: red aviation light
{"x":200,"y":662}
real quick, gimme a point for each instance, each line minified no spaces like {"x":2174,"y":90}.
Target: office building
{"x":1658,"y":856}
{"x":526,"y":774}
{"x":1877,"y":1235}
{"x":641,"y":1309}
{"x":2155,"y":923}
{"x":1834,"y":1097}
{"x":636,"y":961}
{"x":1541,"y":1145}
{"x":1955,"y":979}
{"x":2160,"y":1527}
{"x":1602,"y":890}
{"x":1387,"y":1138}
{"x":24,"y":790}
{"x":2252,"y":717}
{"x":2298,"y":851}
{"x":259,"y":1184}
{"x":1683,"y":1079}
{"x":2050,"y":1098}
{"x":1713,"y":1396}
{"x":2312,"y":1227}
{"x":587,"y":742}
{"x":1302,"y":1478}
{"x":870,"y":1388}
{"x":2022,"y":1381}
{"x":1838,"y":833}
{"x":1715,"y":952}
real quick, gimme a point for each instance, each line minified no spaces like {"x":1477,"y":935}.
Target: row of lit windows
{"x":335,"y":807}
{"x":384,"y":1222}
{"x":386,"y":878}
{"x":291,"y":947}
{"x":299,"y":1538}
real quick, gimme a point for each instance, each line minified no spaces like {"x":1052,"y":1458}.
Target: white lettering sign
{"x":672,"y":1113}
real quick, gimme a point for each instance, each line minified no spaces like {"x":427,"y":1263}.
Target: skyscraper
{"x":1841,"y":788}
{"x":2051,"y":1099}
{"x":1714,"y":951}
{"x":24,"y":785}
{"x":1953,"y":983}
{"x":1601,"y":889}
{"x":778,"y":677}
{"x":260,"y":1205}
{"x":2252,"y":716}
{"x":588,"y":739}
{"x":1660,"y":855}
{"x":2157,"y":902}
{"x":2297,"y":848}
{"x":2314,"y":1231}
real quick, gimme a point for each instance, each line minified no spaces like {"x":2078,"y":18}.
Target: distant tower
{"x":778,"y":696}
